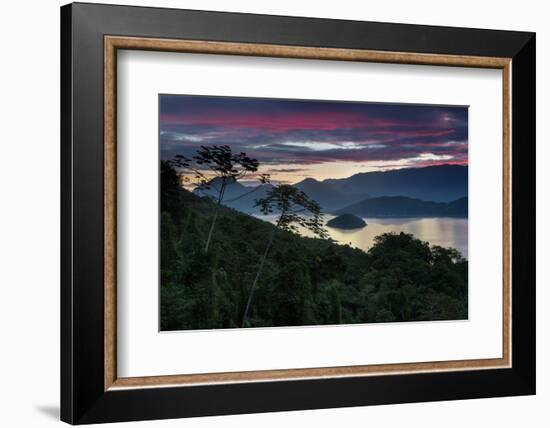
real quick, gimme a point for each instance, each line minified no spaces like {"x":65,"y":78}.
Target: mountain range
{"x":440,"y":190}
{"x":239,"y":197}
{"x":440,"y":183}
{"x":401,"y":206}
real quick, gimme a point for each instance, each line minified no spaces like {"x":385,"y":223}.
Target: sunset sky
{"x":295,"y":139}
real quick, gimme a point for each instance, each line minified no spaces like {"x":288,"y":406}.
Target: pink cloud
{"x":323,"y":121}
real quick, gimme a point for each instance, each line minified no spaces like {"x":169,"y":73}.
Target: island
{"x":347,"y":221}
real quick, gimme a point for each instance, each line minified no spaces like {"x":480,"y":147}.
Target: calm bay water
{"x":445,"y":232}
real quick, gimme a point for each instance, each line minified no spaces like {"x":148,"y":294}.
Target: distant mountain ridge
{"x":432,"y":184}
{"x":329,"y":196}
{"x":440,"y":183}
{"x":404,"y":207}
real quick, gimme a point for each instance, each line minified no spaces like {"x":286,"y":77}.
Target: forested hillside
{"x":304,"y":281}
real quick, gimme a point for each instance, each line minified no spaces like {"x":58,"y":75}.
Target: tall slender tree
{"x":216,"y":167}
{"x":295,"y":209}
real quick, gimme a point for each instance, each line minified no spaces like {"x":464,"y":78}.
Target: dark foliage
{"x":346,"y":221}
{"x":226,"y":167}
{"x":304,"y":281}
{"x":295,"y":208}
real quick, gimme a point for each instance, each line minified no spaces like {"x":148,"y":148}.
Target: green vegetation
{"x":303,"y":281}
{"x":290,"y":203}
{"x":227,"y":167}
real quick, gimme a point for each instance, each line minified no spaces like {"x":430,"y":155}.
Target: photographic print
{"x":282,"y":212}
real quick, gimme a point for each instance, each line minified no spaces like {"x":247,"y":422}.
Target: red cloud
{"x":323,"y":121}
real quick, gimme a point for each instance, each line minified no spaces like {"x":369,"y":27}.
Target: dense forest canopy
{"x":304,"y":281}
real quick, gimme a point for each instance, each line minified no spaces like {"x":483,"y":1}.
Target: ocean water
{"x":445,"y":232}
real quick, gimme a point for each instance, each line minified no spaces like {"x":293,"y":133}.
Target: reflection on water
{"x":445,"y":232}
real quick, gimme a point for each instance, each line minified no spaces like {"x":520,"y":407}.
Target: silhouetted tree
{"x":291,"y":203}
{"x":223,"y":167}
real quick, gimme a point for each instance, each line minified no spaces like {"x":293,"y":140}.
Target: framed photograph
{"x":267,"y":213}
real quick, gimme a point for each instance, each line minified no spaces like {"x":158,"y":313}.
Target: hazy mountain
{"x":402,"y":206}
{"x":232,"y":190}
{"x":441,"y":183}
{"x":329,"y":197}
{"x":243,"y":198}
{"x":237,"y":196}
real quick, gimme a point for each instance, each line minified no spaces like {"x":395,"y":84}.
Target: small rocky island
{"x":347,"y":221}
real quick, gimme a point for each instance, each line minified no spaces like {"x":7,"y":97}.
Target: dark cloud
{"x":308,"y":132}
